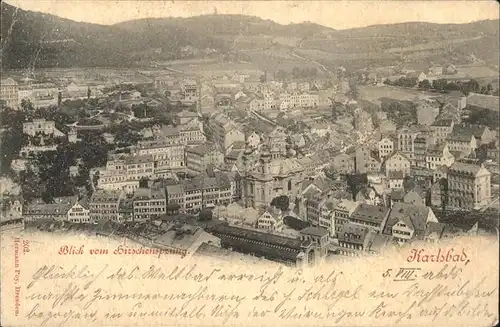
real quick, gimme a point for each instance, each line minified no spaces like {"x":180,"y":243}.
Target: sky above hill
{"x":335,"y":14}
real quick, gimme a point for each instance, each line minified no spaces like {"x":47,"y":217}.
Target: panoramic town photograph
{"x":267,"y":132}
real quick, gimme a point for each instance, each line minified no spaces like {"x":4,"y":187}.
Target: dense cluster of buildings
{"x":250,"y":143}
{"x":42,"y":94}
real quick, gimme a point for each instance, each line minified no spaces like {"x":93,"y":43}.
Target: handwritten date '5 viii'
{"x":421,"y":256}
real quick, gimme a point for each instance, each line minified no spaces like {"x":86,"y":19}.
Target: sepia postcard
{"x":249,"y":163}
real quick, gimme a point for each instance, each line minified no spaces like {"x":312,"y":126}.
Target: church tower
{"x":264,"y":197}
{"x":246,"y":187}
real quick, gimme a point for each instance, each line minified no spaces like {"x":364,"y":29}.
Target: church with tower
{"x":270,"y":177}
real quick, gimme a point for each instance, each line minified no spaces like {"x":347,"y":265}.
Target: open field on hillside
{"x":374,"y":93}
{"x":439,"y":44}
{"x":247,"y":42}
{"x":329,"y":56}
{"x":186,"y":62}
{"x":287,"y":40}
{"x":361,"y":44}
{"x":207,"y":69}
{"x":477,"y":71}
{"x":275,"y":52}
{"x":273,"y":60}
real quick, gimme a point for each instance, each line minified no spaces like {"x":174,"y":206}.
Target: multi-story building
{"x":353,"y":238}
{"x":261,"y":103}
{"x":116,"y":180}
{"x":215,"y":191}
{"x":439,"y":155}
{"x":318,"y":236}
{"x":63,"y":209}
{"x":200,"y":192}
{"x":271,"y":220}
{"x":440,"y":130}
{"x":343,"y":212}
{"x":468,"y":186}
{"x":104,"y":205}
{"x":385,"y":147}
{"x":41,"y":126}
{"x":398,"y":162}
{"x":192,"y":196}
{"x":297,"y":99}
{"x":165,"y":152}
{"x":327,"y":215}
{"x":200,"y":157}
{"x":408,"y":222}
{"x":313,"y":208}
{"x":138,"y":167}
{"x":189,"y":91}
{"x":440,"y":173}
{"x":8,"y":92}
{"x":79,"y":212}
{"x":149,"y":203}
{"x":74,"y":92}
{"x":406,"y":142}
{"x":366,"y":160}
{"x":164,"y":82}
{"x":41,"y":95}
{"x":371,"y":216}
{"x":175,"y":195}
{"x":190,"y":128}
{"x":396,"y":179}
{"x":420,"y":145}
{"x":43,"y":211}
{"x":464,"y":143}
{"x":482,"y":134}
{"x":309,"y":99}
{"x":225,"y":131}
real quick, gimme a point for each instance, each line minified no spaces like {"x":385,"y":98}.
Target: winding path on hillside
{"x":296,"y":55}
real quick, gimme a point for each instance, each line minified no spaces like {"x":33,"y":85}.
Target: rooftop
{"x":396,"y":174}
{"x":483,"y":101}
{"x":201,"y":149}
{"x":414,"y":216}
{"x":368,"y":212}
{"x":47,"y":209}
{"x":467,"y":168}
{"x":353,"y":233}
{"x":443,"y":122}
{"x":139,"y":159}
{"x":187,"y":114}
{"x":398,"y":194}
{"x":270,"y":239}
{"x":105,"y":196}
{"x":347,"y":205}
{"x":314,"y":231}
{"x":469,"y":130}
{"x":148,"y":193}
{"x":436,"y":149}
